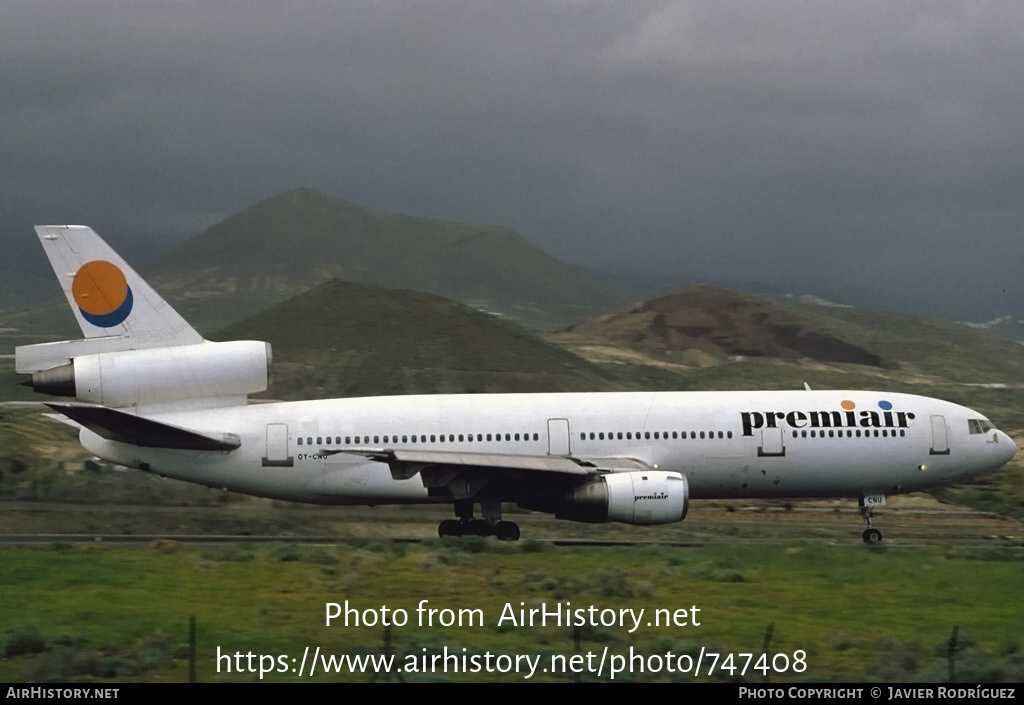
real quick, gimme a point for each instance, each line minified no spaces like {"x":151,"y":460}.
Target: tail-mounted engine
{"x":153,"y":376}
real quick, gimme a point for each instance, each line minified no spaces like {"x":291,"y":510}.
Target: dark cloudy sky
{"x":867,"y":149}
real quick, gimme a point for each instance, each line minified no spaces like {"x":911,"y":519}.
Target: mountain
{"x":1009,"y":327}
{"x":720,"y":323}
{"x":348,"y":339}
{"x":292,"y":242}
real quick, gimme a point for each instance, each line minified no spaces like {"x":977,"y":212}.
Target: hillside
{"x":292,"y":242}
{"x":717,"y":323}
{"x":347,"y":339}
{"x":925,"y":349}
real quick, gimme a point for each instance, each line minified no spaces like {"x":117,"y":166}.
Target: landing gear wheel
{"x":506,"y":531}
{"x":872,"y":535}
{"x":449,"y":527}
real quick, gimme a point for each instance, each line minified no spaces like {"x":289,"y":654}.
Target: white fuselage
{"x":727,"y":444}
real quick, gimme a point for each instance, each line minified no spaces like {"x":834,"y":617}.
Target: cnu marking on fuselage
{"x":849,"y":417}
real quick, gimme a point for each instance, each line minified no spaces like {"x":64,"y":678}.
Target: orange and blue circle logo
{"x":102,"y":294}
{"x":850,"y":406}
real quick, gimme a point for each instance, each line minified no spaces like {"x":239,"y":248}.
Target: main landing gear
{"x":871,"y":534}
{"x":490,"y":525}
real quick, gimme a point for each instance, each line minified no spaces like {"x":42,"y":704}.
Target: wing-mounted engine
{"x":159,"y":376}
{"x":646,"y":497}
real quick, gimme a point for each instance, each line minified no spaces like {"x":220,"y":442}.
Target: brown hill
{"x":720,"y":323}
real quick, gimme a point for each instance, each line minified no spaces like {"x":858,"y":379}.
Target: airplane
{"x":149,"y":392}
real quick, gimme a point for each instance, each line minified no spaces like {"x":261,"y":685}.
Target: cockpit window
{"x":979,"y":425}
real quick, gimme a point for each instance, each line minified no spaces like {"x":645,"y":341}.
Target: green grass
{"x":944,"y":350}
{"x":842,"y":605}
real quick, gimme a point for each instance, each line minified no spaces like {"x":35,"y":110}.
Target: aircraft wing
{"x":120,"y":426}
{"x":407,"y":463}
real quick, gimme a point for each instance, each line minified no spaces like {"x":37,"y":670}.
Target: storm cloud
{"x":868,"y":151}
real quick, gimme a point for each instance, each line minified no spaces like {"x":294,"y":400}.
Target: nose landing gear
{"x":871,"y":534}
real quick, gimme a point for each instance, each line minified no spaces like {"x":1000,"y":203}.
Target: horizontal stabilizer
{"x":123,"y":427}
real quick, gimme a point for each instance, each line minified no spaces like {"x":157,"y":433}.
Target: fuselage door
{"x":940,"y":439}
{"x":771,"y":443}
{"x":558,"y":437}
{"x":277,"y":447}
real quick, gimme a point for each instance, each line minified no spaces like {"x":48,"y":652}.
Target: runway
{"x":905,"y":521}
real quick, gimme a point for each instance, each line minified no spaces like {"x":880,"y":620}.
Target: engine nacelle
{"x":652,"y":497}
{"x":161,"y":375}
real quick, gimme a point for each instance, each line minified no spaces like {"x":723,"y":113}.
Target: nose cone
{"x":1007,"y":448}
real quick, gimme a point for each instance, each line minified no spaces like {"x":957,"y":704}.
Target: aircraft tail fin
{"x":137,"y":353}
{"x":108,"y":298}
